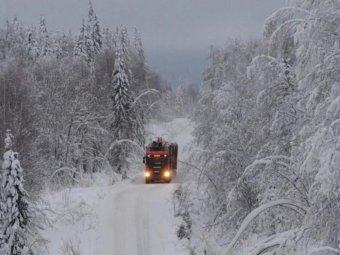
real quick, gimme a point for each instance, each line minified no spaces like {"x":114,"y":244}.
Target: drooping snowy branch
{"x":324,"y":249}
{"x":281,"y":202}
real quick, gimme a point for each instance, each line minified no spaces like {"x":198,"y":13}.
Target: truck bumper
{"x":165,"y":176}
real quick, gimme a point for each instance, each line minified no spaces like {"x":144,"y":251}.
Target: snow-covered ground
{"x":124,"y":219}
{"x":138,"y":219}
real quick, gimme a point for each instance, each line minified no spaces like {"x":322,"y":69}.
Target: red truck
{"x":160,"y":161}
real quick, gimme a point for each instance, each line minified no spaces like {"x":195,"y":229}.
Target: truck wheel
{"x":148,"y":181}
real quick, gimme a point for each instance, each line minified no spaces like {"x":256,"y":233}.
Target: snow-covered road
{"x":137,"y":219}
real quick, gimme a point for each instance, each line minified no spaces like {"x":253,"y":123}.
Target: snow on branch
{"x":201,"y":172}
{"x":8,"y":139}
{"x":270,"y":243}
{"x":291,"y":22}
{"x":281,"y":202}
{"x":70,"y":171}
{"x":279,"y":160}
{"x":288,"y":10}
{"x":270,"y":59}
{"x":260,"y":62}
{"x":325,"y":248}
{"x":275,"y":241}
{"x":145,"y":93}
{"x":268,"y":160}
{"x":115,"y":143}
{"x":281,"y":16}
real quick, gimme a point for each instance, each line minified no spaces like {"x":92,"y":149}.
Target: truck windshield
{"x":152,"y":161}
{"x":156,"y":148}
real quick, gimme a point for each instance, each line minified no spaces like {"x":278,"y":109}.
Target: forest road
{"x":138,"y":219}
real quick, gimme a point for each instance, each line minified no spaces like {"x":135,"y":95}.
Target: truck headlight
{"x":167,"y":174}
{"x":147,"y":174}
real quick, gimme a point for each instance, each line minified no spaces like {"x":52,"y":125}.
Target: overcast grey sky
{"x":176,"y":33}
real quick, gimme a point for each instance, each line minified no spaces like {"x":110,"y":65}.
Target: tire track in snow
{"x":137,"y":220}
{"x":142,"y":217}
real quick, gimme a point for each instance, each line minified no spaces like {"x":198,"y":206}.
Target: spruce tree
{"x":108,"y":40}
{"x":138,"y":45}
{"x":32,"y":45}
{"x":93,"y":35}
{"x":121,"y":118}
{"x":95,"y":32}
{"x":80,"y":45}
{"x":124,"y":45}
{"x":44,"y":40}
{"x":138,"y":64}
{"x":14,"y":206}
{"x":125,"y":122}
{"x":90,"y":40}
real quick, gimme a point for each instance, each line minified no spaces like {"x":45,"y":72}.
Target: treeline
{"x":267,"y":138}
{"x":60,"y":96}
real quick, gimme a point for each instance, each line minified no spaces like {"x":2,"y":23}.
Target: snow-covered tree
{"x":43,"y":39}
{"x":138,"y":66}
{"x":93,"y":29}
{"x":56,"y":46}
{"x":120,"y":119}
{"x":14,"y":40}
{"x":57,"y":91}
{"x":14,"y":206}
{"x":59,"y":106}
{"x":124,"y":122}
{"x":93,"y":36}
{"x":80,"y":43}
{"x":273,"y":134}
{"x":109,"y":39}
{"x":138,"y":45}
{"x":32,"y":45}
{"x":90,"y":40}
{"x":124,"y":43}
